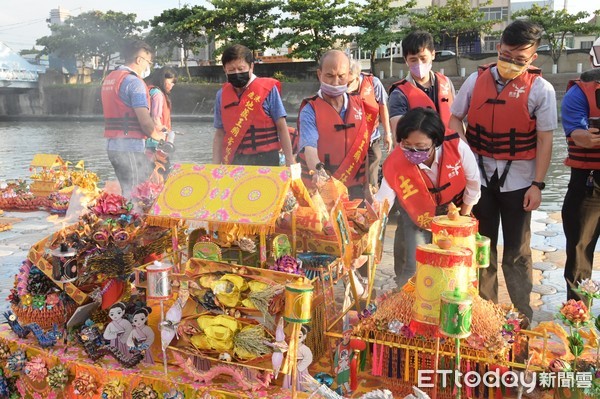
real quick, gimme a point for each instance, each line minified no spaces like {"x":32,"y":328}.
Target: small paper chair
{"x":207,"y":251}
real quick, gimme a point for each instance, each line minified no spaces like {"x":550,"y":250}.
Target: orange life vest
{"x":366,"y":91}
{"x":343,"y":144}
{"x":165,"y":117}
{"x":419,"y":196}
{"x":499,"y":124}
{"x":120,"y":120}
{"x":417,"y":98}
{"x":579,"y":157}
{"x":248,"y":128}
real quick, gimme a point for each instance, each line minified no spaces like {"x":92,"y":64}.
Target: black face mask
{"x":239,"y":80}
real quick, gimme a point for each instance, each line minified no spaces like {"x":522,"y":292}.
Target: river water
{"x":73,"y":141}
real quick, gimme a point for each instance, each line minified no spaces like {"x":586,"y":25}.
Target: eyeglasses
{"x":413,"y":149}
{"x":145,"y":59}
{"x":520,"y":61}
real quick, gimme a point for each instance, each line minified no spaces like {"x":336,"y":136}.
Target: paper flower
{"x":144,"y":391}
{"x":52,"y":300}
{"x":110,"y":204}
{"x":58,"y":376}
{"x":39,"y":301}
{"x":113,"y":390}
{"x":36,"y":369}
{"x":589,"y":288}
{"x":16,"y":362}
{"x":173,"y":394}
{"x":85,"y":384}
{"x":4,"y":351}
{"x":26,"y":300}
{"x":575,"y":313}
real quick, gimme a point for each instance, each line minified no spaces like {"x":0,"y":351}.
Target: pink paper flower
{"x":52,"y":299}
{"x":236,"y":173}
{"x":222,"y":215}
{"x":36,"y":369}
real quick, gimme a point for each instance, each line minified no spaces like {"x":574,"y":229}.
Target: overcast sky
{"x":24,"y":21}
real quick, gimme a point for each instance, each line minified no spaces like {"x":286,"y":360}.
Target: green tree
{"x":313,"y":26}
{"x":556,"y":25}
{"x":375,"y":18}
{"x":454,"y":20}
{"x":179,"y":28}
{"x":92,"y":34}
{"x":247,"y":22}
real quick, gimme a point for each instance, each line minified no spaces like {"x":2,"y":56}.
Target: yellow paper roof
{"x":47,"y":160}
{"x":224,"y":194}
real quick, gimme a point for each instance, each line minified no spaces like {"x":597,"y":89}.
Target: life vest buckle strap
{"x":495,"y":101}
{"x":343,"y":126}
{"x":233,"y":104}
{"x":435,"y":190}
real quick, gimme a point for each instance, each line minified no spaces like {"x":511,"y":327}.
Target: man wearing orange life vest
{"x":581,"y":208}
{"x":511,"y":113}
{"x":334,"y":134}
{"x":127,"y":120}
{"x":422,"y":87}
{"x":249,"y":115}
{"x":374,"y":98}
{"x":427,"y":170}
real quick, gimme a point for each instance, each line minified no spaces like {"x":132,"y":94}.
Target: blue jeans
{"x":408,"y":236}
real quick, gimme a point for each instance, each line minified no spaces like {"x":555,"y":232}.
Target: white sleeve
{"x":544,"y":107}
{"x":471,"y":169}
{"x":462,"y":101}
{"x":385,"y":192}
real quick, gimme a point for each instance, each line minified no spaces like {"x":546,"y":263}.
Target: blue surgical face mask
{"x":416,"y":157}
{"x":333,"y":91}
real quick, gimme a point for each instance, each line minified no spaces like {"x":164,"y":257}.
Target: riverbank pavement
{"x":547,"y":241}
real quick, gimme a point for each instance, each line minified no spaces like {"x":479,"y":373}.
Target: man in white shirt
{"x":511,"y":114}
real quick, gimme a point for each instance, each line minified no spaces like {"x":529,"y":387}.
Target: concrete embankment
{"x":190,"y":101}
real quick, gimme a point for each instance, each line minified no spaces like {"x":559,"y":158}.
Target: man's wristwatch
{"x":539,"y":184}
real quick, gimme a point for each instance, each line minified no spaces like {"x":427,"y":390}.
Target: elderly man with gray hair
{"x":371,"y":91}
{"x":334,"y":134}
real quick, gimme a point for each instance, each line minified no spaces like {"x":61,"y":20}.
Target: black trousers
{"x":131,"y":169}
{"x":581,"y":224}
{"x":516,"y":232}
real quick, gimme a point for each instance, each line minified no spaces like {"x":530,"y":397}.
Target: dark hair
{"x":424,"y":120}
{"x":144,"y":310}
{"x":416,"y":41}
{"x":157,"y":78}
{"x":119,"y":305}
{"x":237,"y":52}
{"x":522,"y":33}
{"x":132,"y":48}
{"x":305,"y":329}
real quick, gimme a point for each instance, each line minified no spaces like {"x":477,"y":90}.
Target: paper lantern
{"x":462,"y":230}
{"x":298,"y":301}
{"x":456,"y":309}
{"x":64,"y":264}
{"x":438,"y":270}
{"x":482,"y":251}
{"x":159,"y":284}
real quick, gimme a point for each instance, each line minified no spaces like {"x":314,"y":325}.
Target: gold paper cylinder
{"x":298,"y":302}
